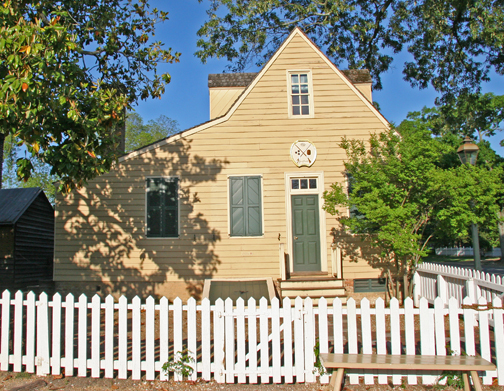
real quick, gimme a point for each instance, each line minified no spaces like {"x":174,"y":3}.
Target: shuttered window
{"x":162,"y":207}
{"x":245,"y":206}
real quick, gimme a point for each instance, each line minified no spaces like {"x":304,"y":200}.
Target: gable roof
{"x":295,"y":32}
{"x":14,"y":202}
{"x":356,"y":76}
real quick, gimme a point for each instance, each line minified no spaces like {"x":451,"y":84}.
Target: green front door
{"x":306,"y":233}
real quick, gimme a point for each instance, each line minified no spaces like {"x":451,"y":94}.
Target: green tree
{"x":404,"y":197}
{"x":454,"y":44}
{"x":69,"y":70}
{"x":139,"y":134}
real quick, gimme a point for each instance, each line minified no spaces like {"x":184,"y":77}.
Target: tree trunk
{"x":2,"y":140}
{"x":501,"y":232}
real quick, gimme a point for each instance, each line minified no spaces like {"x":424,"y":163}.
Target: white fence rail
{"x":433,"y":280}
{"x":236,"y":341}
{"x":465,"y":252}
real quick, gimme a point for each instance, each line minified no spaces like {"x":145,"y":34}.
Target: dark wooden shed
{"x":26,"y":239}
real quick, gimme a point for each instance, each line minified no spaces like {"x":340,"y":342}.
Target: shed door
{"x":306,"y":233}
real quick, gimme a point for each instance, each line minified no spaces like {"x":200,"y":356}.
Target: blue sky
{"x":186,"y":97}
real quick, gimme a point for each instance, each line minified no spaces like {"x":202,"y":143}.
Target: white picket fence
{"x":236,"y":341}
{"x":465,"y":252}
{"x":433,"y":280}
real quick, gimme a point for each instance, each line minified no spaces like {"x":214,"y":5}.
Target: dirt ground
{"x":26,"y":382}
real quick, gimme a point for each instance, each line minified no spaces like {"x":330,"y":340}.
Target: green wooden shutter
{"x":245,"y":206}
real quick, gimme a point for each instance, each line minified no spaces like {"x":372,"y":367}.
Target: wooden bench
{"x":465,"y":364}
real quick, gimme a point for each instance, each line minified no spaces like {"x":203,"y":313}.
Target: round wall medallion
{"x":303,"y":153}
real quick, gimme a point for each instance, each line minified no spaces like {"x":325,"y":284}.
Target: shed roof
{"x":244,"y":79}
{"x":14,"y":202}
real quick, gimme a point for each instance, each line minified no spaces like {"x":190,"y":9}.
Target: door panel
{"x":306,"y":233}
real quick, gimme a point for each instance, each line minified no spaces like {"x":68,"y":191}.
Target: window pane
{"x":304,"y":99}
{"x":295,"y":183}
{"x":295,"y":89}
{"x":154,"y":222}
{"x":304,"y":183}
{"x":304,"y":88}
{"x":171,"y":223}
{"x":170,"y":194}
{"x":304,"y":78}
{"x":313,"y":183}
{"x":294,"y":79}
{"x":295,"y":110}
{"x":305,"y":110}
{"x":295,"y":99}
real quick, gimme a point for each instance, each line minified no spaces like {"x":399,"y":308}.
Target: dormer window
{"x":300,"y":99}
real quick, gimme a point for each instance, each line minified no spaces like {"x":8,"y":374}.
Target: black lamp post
{"x":468,"y":153}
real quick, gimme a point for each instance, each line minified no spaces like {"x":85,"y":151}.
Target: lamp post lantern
{"x":468,"y":153}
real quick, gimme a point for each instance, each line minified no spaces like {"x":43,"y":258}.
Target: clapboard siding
{"x":100,"y":228}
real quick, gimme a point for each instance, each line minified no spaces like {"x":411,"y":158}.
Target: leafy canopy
{"x":139,"y":134}
{"x":454,"y":44}
{"x":69,"y":69}
{"x":405,"y":197}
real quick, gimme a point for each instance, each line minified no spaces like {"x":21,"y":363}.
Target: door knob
{"x":295,"y":237}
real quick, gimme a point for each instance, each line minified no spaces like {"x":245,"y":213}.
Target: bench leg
{"x":476,"y":381}
{"x":337,"y":378}
{"x":467,"y":385}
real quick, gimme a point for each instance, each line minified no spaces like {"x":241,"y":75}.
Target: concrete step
{"x":316,"y":300}
{"x":313,"y":292}
{"x":311,"y":284}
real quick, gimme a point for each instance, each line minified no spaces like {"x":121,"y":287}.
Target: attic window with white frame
{"x":300,"y":99}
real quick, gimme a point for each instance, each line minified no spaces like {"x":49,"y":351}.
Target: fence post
{"x":417,"y":289}
{"x":471,"y":290}
{"x":441,"y":289}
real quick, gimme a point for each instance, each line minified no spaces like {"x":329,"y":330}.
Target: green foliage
{"x":41,"y":174}
{"x":69,"y":69}
{"x":405,"y":196}
{"x":454,"y":44}
{"x":180,"y":364}
{"x":139,"y":134}
{"x":318,"y":367}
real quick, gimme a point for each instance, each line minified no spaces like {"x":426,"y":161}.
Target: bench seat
{"x":465,"y":364}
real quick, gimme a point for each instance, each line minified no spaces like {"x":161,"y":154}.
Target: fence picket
{"x":381,"y":339}
{"x":299,"y":340}
{"x":230,"y":339}
{"x":240,"y":342}
{"x":82,"y":337}
{"x":338,"y":325}
{"x":252,"y":340}
{"x":177,"y":334}
{"x":164,"y":347}
{"x":191,"y":336}
{"x":469,"y":327}
{"x":95,"y":335}
{"x":150,"y":314}
{"x":287,"y":334}
{"x":275,"y":342}
{"x":264,"y":338}
{"x":4,"y":341}
{"x":219,"y":341}
{"x":56,"y":335}
{"x":18,"y":331}
{"x":309,"y":325}
{"x":109,"y":337}
{"x":366,"y":334}
{"x":484,"y":338}
{"x":323,"y":333}
{"x":30,"y":332}
{"x":395,"y":333}
{"x":498,"y":314}
{"x":136,"y":356}
{"x":453,"y":309}
{"x":43,"y":358}
{"x":122,"y":372}
{"x":205,"y":340}
{"x":69,"y":334}
{"x":352,"y":334}
{"x":427,"y":338}
{"x":409,"y":334}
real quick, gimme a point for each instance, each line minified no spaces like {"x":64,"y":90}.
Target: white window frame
{"x":229,"y":206}
{"x":178,"y":207}
{"x":322,"y":214}
{"x":310,"y":93}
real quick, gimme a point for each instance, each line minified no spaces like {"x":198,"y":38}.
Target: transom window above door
{"x":304,"y":183}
